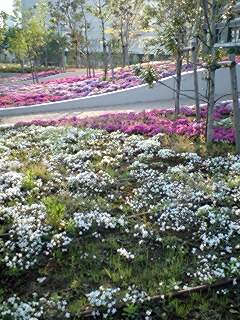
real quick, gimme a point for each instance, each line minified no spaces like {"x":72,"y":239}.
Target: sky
{"x":6,"y":5}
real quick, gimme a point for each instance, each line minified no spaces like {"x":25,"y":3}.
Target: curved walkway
{"x":136,"y":98}
{"x":87,"y":112}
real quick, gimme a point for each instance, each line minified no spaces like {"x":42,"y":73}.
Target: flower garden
{"x":118,"y":216}
{"x":129,"y":215}
{"x":113,"y":224}
{"x":153,"y":122}
{"x":18,"y":78}
{"x":52,"y":90}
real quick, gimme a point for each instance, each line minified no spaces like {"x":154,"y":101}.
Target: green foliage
{"x":32,"y":173}
{"x":17,"y":43}
{"x":180,"y":309}
{"x":30,"y":33}
{"x":3,"y":19}
{"x":130,"y":311}
{"x":77,"y":305}
{"x":68,"y":15}
{"x":28,"y":181}
{"x":172,"y":22}
{"x":226,"y":123}
{"x":17,"y":68}
{"x":148,"y":73}
{"x":55,"y":211}
{"x":137,"y":70}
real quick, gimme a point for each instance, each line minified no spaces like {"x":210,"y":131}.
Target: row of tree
{"x":49,"y":28}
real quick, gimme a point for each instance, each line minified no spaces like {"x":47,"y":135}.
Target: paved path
{"x":86,"y":112}
{"x":4,"y":77}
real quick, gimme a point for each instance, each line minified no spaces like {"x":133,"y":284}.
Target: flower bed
{"x":100,"y":224}
{"x":16,"y":80}
{"x":76,"y":87}
{"x":41,"y":74}
{"x":153,"y":122}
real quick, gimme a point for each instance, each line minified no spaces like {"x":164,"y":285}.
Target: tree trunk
{"x":34,"y":75}
{"x":122,"y":45}
{"x":77,"y":55}
{"x":212,"y":70}
{"x":105,"y":59}
{"x":125,"y":53}
{"x":88,"y":56}
{"x":105,"y":54}
{"x":178,"y":81}
{"x":211,"y":104}
{"x":126,"y":47}
{"x":93,"y":64}
{"x":89,"y":64}
{"x":62,"y":62}
{"x":195,"y":73}
{"x":46,"y":57}
{"x":111,"y":61}
{"x":236,"y":107}
{"x":22,"y":65}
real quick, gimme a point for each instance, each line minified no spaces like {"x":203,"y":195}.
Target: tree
{"x":68,"y":16}
{"x":172,"y":21}
{"x":30,"y":32}
{"x":58,"y":36}
{"x":101,"y":10}
{"x":213,"y":12}
{"x":126,"y":22}
{"x":3,"y":18}
{"x":86,"y":42}
{"x":17,"y":45}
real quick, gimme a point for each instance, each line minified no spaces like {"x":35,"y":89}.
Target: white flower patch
{"x":148,"y":315}
{"x":222,"y":164}
{"x":126,"y":254}
{"x":134,"y":296}
{"x":171,"y":194}
{"x":235,"y":167}
{"x":217,"y":229}
{"x":141,"y":147}
{"x":104,"y":298}
{"x":77,"y":162}
{"x":29,"y":236}
{"x":142,"y":232}
{"x":177,"y":218}
{"x":192,"y":158}
{"x":106,"y":160}
{"x":10,"y":186}
{"x":73,"y":138}
{"x":58,"y":241}
{"x":85,"y":221}
{"x":166,"y":153}
{"x":88,"y":182}
{"x":9,"y":165}
{"x":36,"y":309}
